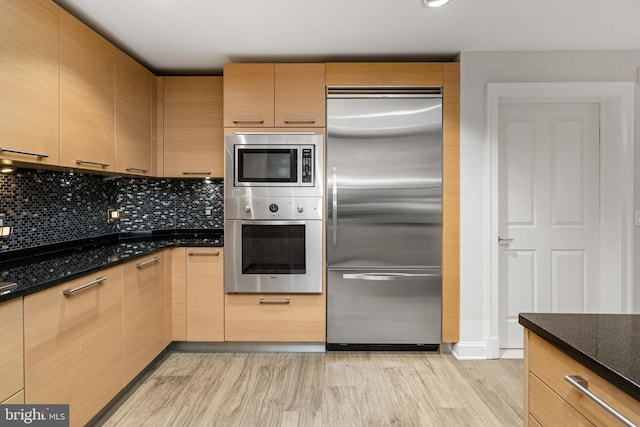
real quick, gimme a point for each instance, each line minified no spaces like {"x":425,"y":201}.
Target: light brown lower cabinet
{"x":143,"y":313}
{"x":278,"y":318}
{"x":197,"y":293}
{"x":73,"y":344}
{"x":11,"y":349}
{"x":551,"y":401}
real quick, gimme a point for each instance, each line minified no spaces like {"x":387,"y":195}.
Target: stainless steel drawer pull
{"x":151,"y":261}
{"x":274,"y":301}
{"x":26,"y":153}
{"x":214,"y":253}
{"x":583,"y":385}
{"x":85,"y":286}
{"x":136,"y":170}
{"x":89,"y":162}
{"x":196,"y":173}
{"x":248,"y":121}
{"x":387,"y":276}
{"x":299,"y":121}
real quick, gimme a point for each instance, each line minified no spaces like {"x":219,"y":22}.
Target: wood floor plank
{"x":341,"y":407}
{"x":323,"y":389}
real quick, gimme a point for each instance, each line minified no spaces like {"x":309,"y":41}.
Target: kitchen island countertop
{"x":35,"y":269}
{"x":608,"y":344}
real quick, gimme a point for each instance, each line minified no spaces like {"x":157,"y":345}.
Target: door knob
{"x":501,"y":240}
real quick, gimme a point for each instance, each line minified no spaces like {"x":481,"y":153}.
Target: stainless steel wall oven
{"x":273,"y":208}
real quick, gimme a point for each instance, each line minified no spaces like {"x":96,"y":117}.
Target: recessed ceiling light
{"x":435,"y":3}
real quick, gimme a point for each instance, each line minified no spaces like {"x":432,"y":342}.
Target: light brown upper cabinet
{"x":133,"y":117}
{"x":193,"y":134}
{"x":274,"y":95}
{"x":300,"y":95}
{"x":87,"y":97}
{"x":385,"y":73}
{"x":29,"y":110}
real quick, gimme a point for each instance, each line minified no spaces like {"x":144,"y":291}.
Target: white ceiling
{"x":199,"y":36}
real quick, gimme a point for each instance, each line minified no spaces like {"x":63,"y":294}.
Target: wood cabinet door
{"x":29,"y":110}
{"x":300,"y":95}
{"x":87,"y":97}
{"x":143,"y":307}
{"x":133,"y":116}
{"x":205,"y":294}
{"x":73,"y":344}
{"x":193,"y":135}
{"x":11,"y":350}
{"x":248,"y":95}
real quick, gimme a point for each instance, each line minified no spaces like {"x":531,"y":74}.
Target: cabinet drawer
{"x":284,"y":318}
{"x":549,"y":409}
{"x":551,"y":365}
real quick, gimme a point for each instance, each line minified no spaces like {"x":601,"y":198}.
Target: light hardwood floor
{"x":323,"y":389}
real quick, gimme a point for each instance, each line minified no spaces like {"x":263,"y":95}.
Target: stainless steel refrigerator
{"x":384,"y":219}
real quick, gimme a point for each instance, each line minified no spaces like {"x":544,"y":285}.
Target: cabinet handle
{"x":582,"y":385}
{"x":196,"y":173}
{"x":151,"y":261}
{"x":89,"y":162}
{"x":85,"y":286}
{"x":299,"y":121}
{"x":248,"y":121}
{"x":274,"y":301}
{"x":26,"y":153}
{"x":214,"y":253}
{"x":136,"y":169}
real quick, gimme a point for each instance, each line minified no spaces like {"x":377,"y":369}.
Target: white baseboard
{"x":470,"y":350}
{"x":478,"y":350}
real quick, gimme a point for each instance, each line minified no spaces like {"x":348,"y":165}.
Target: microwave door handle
{"x":334,"y":206}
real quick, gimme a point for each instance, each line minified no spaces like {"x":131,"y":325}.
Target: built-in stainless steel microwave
{"x":273,"y":164}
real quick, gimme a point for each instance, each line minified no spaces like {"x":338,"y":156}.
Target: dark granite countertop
{"x":35,"y":269}
{"x":608,"y":344}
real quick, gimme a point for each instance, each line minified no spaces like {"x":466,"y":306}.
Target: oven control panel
{"x":273,"y":207}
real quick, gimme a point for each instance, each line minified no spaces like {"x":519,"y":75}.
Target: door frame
{"x":616,"y":102}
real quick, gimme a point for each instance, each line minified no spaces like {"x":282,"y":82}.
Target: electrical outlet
{"x":208,"y":211}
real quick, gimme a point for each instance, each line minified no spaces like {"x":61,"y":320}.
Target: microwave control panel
{"x":307,"y":165}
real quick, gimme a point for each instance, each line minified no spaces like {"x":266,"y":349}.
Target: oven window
{"x":273,"y":249}
{"x":267,"y":165}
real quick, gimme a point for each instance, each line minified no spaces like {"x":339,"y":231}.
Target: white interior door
{"x":549,"y":213}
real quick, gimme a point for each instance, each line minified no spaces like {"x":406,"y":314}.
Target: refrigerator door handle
{"x":387,"y":276}
{"x":334,"y":206}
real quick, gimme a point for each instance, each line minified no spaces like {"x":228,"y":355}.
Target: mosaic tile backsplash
{"x":46,"y":207}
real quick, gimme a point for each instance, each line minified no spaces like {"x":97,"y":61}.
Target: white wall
{"x":477,"y":70}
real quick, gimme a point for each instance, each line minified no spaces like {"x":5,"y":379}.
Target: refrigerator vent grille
{"x":384,"y":92}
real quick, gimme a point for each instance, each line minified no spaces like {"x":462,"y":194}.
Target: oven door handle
{"x":275,"y":222}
